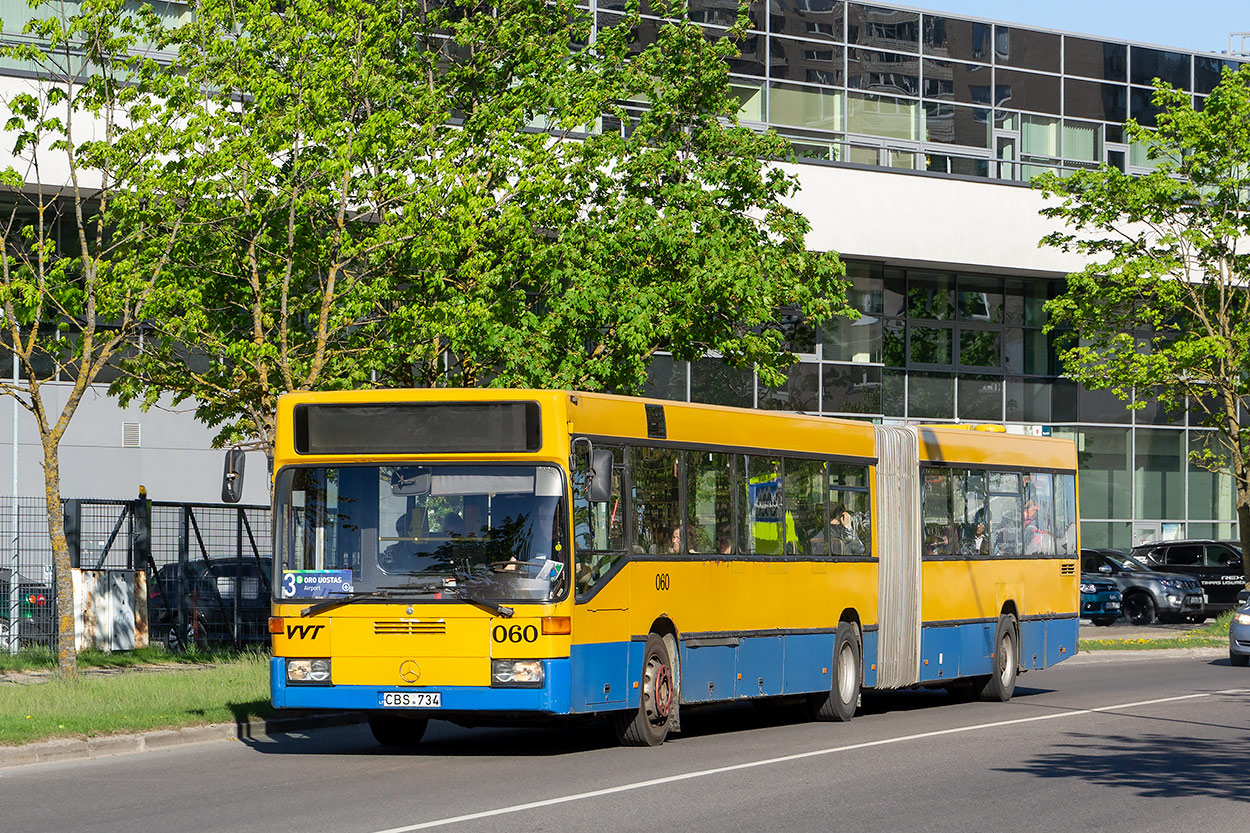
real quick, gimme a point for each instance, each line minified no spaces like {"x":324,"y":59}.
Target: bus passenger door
{"x":600,"y":656}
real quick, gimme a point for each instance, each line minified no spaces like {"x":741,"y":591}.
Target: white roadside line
{"x":704,"y":773}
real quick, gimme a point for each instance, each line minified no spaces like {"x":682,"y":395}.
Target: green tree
{"x":477,"y":194}
{"x":1162,"y":311}
{"x":80,"y":256}
{"x":301,"y":130}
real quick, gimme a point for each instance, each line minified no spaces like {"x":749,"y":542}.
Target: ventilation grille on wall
{"x":130,"y":435}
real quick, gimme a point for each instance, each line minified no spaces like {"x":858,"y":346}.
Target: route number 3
{"x":514,"y":633}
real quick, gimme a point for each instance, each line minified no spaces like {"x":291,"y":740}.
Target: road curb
{"x":68,"y":749}
{"x":1141,"y":655}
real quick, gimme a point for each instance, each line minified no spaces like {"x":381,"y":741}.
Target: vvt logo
{"x":303,"y":631}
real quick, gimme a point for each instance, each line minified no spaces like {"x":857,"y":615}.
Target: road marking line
{"x":703,"y":773}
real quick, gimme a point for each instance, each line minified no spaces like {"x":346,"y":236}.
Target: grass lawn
{"x":1211,"y":635}
{"x":41,"y":658}
{"x":235,"y":689}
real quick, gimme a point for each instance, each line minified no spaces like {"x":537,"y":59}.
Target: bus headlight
{"x":308,"y":671}
{"x":516,"y":672}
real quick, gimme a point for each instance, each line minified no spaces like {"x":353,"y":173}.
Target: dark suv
{"x":209,"y":599}
{"x":1147,"y":595}
{"x":1216,"y":565}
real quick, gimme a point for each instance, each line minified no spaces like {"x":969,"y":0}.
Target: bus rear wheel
{"x":396,"y":731}
{"x":840,"y":702}
{"x":1001,"y":684}
{"x":658,"y":696}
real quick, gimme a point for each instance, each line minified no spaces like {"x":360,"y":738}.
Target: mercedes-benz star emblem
{"x":409,"y":671}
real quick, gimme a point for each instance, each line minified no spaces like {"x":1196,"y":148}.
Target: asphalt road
{"x":1099,"y":743}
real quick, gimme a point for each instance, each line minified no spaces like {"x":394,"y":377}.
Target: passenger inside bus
{"x":843,"y":540}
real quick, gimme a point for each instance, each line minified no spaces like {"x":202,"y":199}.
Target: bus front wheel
{"x":840,"y":702}
{"x":658,"y":697}
{"x":1001,"y":683}
{"x":396,"y":731}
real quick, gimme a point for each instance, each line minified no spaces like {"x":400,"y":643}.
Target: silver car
{"x":1239,"y":637}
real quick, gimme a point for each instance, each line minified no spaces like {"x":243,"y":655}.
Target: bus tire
{"x":396,"y":731}
{"x":648,"y":726}
{"x":1001,"y":683}
{"x":842,"y":698}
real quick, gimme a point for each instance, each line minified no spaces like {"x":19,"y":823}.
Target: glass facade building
{"x":911,"y":91}
{"x":879,"y":84}
{"x":946,"y":346}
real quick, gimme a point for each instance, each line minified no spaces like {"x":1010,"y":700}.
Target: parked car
{"x":1147,"y":595}
{"x":209,"y":601}
{"x":1216,"y":565}
{"x":1239,"y":637}
{"x":1100,"y":599}
{"x":36,"y":600}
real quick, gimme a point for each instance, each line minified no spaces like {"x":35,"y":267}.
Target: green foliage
{"x":1162,"y":311}
{"x":382,"y":187}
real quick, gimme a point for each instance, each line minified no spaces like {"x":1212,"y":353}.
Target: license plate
{"x":411,"y":699}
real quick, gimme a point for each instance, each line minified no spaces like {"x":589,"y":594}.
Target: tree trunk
{"x":66,"y":648}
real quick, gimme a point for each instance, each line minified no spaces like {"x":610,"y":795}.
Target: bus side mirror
{"x":599,"y":483}
{"x":232,"y":477}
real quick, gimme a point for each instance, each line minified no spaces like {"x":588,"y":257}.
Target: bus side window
{"x":1039,"y":515}
{"x":805,"y":496}
{"x":598,"y":528}
{"x":709,"y":502}
{"x":654,"y":476}
{"x":1006,"y":512}
{"x":760,"y":493}
{"x":850,"y":517}
{"x":936,"y":508}
{"x":972,"y":523}
{"x":1065,"y":514}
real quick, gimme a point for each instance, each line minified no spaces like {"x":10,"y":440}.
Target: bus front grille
{"x":408,"y":627}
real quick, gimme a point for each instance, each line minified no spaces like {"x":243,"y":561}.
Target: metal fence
{"x":208,"y":567}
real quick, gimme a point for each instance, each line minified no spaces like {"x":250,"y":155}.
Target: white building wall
{"x":910,"y":218}
{"x":175,"y":459}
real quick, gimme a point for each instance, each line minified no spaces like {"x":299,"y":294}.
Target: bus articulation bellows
{"x":503,"y":556}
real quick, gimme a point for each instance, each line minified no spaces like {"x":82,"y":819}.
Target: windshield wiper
{"x":493,"y":607}
{"x":392,"y":592}
{"x":361,"y":596}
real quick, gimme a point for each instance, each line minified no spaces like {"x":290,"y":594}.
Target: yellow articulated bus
{"x":501,"y":556}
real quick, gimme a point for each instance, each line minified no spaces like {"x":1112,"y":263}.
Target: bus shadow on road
{"x":566,"y":738}
{"x":445,"y":740}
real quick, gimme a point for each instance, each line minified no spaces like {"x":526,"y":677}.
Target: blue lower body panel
{"x":603,"y":677}
{"x":552,"y":698}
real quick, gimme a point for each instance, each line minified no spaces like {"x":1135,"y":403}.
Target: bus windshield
{"x":432,"y":532}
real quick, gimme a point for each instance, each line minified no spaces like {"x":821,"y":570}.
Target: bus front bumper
{"x":551,"y":698}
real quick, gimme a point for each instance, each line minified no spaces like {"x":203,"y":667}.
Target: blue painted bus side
{"x":600,"y":677}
